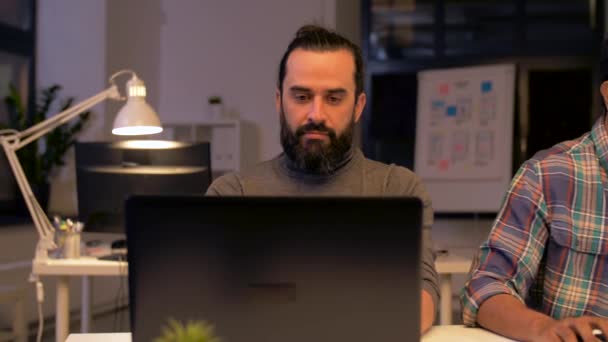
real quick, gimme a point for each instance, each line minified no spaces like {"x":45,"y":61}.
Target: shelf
{"x":218,"y":122}
{"x":469,"y":28}
{"x":224,"y":136}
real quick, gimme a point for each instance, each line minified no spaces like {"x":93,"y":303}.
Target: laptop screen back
{"x":276,"y":269}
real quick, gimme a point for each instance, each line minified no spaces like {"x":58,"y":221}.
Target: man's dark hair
{"x":316,"y":38}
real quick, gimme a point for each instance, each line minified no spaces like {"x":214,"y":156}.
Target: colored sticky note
{"x":451,"y":111}
{"x":437,"y":103}
{"x":444,"y":89}
{"x":486,"y":86}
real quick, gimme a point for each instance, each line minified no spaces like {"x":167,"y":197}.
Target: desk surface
{"x":111,"y":337}
{"x":84,"y":266}
{"x":460,"y":333}
{"x":94,"y":267}
{"x":453,"y":263}
{"x":438,"y":333}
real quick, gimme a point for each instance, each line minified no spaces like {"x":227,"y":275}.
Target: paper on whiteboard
{"x":462,"y":121}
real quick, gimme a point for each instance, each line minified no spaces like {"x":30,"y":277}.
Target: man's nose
{"x":317,"y":110}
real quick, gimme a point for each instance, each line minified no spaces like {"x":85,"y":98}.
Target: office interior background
{"x":189,"y":50}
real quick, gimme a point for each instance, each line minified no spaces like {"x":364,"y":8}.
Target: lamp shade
{"x":136,"y":117}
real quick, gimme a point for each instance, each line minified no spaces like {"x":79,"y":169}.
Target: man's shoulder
{"x":393,"y":179}
{"x":259,"y":170}
{"x":375,"y":168}
{"x":566,"y":154}
{"x":228,"y":184}
{"x":233,"y":183}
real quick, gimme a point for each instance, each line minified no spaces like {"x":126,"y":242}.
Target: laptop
{"x":265,"y":269}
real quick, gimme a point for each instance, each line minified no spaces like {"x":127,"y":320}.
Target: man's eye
{"x":334,"y":99}
{"x":301,"y":97}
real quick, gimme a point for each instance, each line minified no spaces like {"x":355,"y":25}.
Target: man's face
{"x":318,"y":108}
{"x":604,"y":92}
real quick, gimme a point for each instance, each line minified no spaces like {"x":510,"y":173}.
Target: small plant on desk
{"x":192,"y":331}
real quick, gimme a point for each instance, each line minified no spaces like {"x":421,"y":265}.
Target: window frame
{"x":20,"y":42}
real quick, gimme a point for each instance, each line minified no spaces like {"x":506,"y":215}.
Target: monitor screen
{"x":108,"y":173}
{"x":263,"y":269}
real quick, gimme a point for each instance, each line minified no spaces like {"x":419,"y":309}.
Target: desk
{"x":446,"y":265}
{"x":110,"y":337}
{"x":460,"y":333}
{"x":445,"y":333}
{"x":63,"y":269}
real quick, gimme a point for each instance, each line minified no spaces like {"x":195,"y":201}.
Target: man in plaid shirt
{"x":542,"y":275}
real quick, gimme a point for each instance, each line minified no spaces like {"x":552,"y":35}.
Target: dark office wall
{"x":560,"y":107}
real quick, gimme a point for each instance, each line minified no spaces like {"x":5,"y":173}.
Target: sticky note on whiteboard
{"x":451,"y":111}
{"x":486,"y":86}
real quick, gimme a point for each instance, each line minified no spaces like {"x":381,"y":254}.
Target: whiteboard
{"x":464,"y":136}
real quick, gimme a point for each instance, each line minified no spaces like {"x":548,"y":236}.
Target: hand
{"x":427,"y":312}
{"x":572,"y":329}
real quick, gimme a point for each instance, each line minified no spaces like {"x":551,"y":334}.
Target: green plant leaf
{"x":15,"y":109}
{"x":39,"y":164}
{"x":48,"y":96}
{"x":192,"y":331}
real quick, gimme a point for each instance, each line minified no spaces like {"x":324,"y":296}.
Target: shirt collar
{"x":600,"y":140}
{"x":292,"y":170}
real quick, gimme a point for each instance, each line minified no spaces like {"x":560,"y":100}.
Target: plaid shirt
{"x":549,"y":244}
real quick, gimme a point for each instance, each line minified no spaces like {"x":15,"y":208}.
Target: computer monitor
{"x":109,"y":172}
{"x":276,"y":269}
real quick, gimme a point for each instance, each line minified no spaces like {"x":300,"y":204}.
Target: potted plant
{"x":40,"y":158}
{"x":192,"y":331}
{"x":216,"y":107}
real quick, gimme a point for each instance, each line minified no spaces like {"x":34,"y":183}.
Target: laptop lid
{"x":276,"y":269}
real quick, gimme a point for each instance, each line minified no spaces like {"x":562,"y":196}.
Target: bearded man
{"x":320,"y":98}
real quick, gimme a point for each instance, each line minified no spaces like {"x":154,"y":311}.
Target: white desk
{"x":447,"y":265}
{"x":460,"y":333}
{"x":111,"y":337}
{"x":445,"y":333}
{"x":63,"y":269}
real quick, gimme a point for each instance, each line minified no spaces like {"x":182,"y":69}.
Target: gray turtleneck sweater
{"x":357,"y":176}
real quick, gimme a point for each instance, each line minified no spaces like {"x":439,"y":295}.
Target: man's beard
{"x":316,"y":156}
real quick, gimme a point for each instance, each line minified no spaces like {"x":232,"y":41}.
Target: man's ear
{"x":361,"y":99}
{"x":277,"y":100}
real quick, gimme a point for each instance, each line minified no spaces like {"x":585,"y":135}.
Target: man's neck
{"x":294,"y":167}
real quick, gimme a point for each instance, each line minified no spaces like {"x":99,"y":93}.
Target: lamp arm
{"x":12,"y":142}
{"x":41,"y":221}
{"x":42,"y":128}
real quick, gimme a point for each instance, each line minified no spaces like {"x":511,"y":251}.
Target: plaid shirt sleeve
{"x":507,"y":263}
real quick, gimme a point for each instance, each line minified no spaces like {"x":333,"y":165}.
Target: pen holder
{"x":71,"y":249}
{"x":69,"y":244}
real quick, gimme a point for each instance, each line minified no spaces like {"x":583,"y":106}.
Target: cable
{"x":117,"y":301}
{"x":118,"y":73}
{"x":9,"y":131}
{"x":124,"y":279}
{"x":39,"y":300}
{"x":40,"y":323}
{"x":120,"y":295}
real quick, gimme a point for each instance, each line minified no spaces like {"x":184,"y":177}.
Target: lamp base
{"x":43,"y":247}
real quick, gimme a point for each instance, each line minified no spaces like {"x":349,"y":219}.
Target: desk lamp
{"x":136,"y":117}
